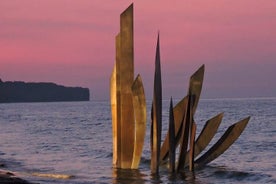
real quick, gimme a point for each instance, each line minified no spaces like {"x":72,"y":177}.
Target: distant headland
{"x":18,"y":91}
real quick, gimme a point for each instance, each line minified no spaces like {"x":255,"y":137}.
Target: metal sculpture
{"x":128,"y":107}
{"x":127,"y":100}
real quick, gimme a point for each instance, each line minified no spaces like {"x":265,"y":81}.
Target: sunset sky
{"x":72,"y":43}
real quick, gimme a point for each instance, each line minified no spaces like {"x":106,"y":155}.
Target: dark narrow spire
{"x":172,"y":143}
{"x":157,"y":113}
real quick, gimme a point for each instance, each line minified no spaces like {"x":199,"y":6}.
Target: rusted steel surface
{"x":117,"y":116}
{"x":227,"y":139}
{"x":139,"y":106}
{"x":123,"y":124}
{"x":171,"y":139}
{"x":126,"y":80}
{"x":206,"y":135}
{"x":156,"y":114}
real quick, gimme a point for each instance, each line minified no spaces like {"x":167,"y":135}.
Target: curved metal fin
{"x":113,"y":102}
{"x":227,"y":139}
{"x":115,"y":94}
{"x":140,"y":114}
{"x":206,"y":135}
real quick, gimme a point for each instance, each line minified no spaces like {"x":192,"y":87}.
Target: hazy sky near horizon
{"x":73,"y":43}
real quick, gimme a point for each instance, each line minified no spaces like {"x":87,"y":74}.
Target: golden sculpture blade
{"x":117,"y":123}
{"x":156,"y":114}
{"x":139,"y":105}
{"x":126,"y":80}
{"x":113,"y":101}
{"x":227,"y":139}
{"x":206,"y":135}
{"x":171,"y":139}
{"x":195,"y":86}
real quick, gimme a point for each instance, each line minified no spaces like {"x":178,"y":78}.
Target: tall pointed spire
{"x":171,"y":139}
{"x":156,"y":114}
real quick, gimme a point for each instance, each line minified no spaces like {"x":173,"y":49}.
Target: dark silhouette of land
{"x":40,"y":92}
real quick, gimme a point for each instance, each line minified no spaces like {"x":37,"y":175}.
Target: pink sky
{"x":73,"y":43}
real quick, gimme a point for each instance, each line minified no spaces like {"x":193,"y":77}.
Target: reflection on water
{"x":126,"y":176}
{"x":121,"y":176}
{"x":187,"y":177}
{"x":202,"y":176}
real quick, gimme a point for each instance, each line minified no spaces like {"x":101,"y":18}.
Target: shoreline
{"x":8,"y":177}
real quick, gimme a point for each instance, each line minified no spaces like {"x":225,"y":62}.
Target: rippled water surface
{"x":75,"y":138}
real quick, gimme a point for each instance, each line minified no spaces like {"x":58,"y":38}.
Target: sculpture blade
{"x":185,"y":135}
{"x":117,"y":84}
{"x":192,"y":146}
{"x":179,"y":112}
{"x":195,"y":86}
{"x":113,"y":101}
{"x":126,"y":81}
{"x":139,"y":105}
{"x":227,"y":139}
{"x":206,"y":135}
{"x":157,"y":114}
{"x":171,"y":139}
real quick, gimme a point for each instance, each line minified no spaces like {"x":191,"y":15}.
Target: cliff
{"x":40,"y":92}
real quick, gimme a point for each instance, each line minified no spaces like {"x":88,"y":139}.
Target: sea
{"x":71,"y":143}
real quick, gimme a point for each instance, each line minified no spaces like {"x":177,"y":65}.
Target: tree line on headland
{"x":40,"y":92}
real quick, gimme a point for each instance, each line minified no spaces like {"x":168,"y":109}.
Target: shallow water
{"x":75,"y":138}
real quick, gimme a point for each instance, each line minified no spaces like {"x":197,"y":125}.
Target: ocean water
{"x":75,"y":139}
